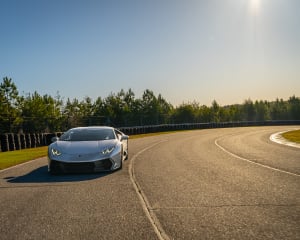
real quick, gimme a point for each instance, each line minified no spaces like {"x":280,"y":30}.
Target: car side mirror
{"x":54,"y":139}
{"x":124,"y":137}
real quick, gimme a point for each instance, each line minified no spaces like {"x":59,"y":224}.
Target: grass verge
{"x":12,"y":158}
{"x":293,"y":136}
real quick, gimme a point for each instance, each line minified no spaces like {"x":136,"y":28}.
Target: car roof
{"x":92,"y":127}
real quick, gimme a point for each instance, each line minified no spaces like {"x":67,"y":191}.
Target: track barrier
{"x":12,"y":142}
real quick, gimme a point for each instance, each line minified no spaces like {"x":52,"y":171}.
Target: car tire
{"x":121,"y":163}
{"x":53,"y":172}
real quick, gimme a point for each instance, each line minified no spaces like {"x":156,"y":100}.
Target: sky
{"x":185,"y":50}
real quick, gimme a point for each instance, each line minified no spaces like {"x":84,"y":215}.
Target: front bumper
{"x":103,"y":165}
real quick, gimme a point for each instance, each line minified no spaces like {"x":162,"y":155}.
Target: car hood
{"x":82,"y":147}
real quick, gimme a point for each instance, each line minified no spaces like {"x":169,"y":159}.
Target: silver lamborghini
{"x":88,"y":149}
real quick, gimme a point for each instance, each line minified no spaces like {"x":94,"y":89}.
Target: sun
{"x":255,"y":5}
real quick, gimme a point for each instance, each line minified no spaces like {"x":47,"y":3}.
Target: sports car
{"x":88,"y":149}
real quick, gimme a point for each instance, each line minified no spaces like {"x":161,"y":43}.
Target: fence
{"x":11,"y":141}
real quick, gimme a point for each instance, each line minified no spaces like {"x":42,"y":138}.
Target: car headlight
{"x":55,"y":152}
{"x":107,"y":150}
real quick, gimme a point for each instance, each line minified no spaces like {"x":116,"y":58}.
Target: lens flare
{"x":255,"y":5}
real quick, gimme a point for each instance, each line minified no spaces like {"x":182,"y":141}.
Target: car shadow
{"x":41,"y":175}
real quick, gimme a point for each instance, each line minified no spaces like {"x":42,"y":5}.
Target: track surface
{"x":207,"y":184}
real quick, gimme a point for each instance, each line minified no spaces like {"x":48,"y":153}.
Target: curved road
{"x":206,"y":184}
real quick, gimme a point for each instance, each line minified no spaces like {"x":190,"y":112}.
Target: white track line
{"x":250,"y":161}
{"x":161,"y":234}
{"x":277,"y":138}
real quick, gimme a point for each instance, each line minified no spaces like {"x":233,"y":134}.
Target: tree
{"x":262,"y":112}
{"x":9,"y":91}
{"x":279,"y":110}
{"x":152,"y":109}
{"x":185,"y":113}
{"x":114,"y":109}
{"x":149,"y":107}
{"x":128,"y":99}
{"x":215,"y":110}
{"x":248,"y":110}
{"x":41,"y":113}
{"x":9,"y":97}
{"x":204,"y":114}
{"x":294,"y":108}
{"x":72,"y":114}
{"x":164,"y":110}
{"x":235,"y":113}
{"x":86,"y":108}
{"x":98,"y":117}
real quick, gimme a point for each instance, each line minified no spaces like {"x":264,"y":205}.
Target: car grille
{"x":103,"y":165}
{"x":82,"y":167}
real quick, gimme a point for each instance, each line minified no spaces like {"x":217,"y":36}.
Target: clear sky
{"x":186,"y":50}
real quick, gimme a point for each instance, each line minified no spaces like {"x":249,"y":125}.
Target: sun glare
{"x":254,"y":4}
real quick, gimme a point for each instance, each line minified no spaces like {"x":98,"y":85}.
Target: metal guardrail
{"x":191,"y":126}
{"x":11,"y":141}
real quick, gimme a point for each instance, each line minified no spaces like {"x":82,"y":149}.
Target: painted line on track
{"x":277,"y":138}
{"x":161,"y":234}
{"x":253,"y":162}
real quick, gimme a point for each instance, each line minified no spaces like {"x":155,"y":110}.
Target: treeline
{"x":44,"y":113}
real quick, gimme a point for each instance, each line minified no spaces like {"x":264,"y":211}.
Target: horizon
{"x":93,"y":100}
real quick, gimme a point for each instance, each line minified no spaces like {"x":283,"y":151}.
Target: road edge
{"x":278,"y":138}
{"x":161,"y":234}
{"x":21,"y":164}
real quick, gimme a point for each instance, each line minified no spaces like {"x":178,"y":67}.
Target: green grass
{"x":12,"y":158}
{"x":293,"y":136}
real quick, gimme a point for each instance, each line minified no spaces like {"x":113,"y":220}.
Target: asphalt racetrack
{"x":205,"y":184}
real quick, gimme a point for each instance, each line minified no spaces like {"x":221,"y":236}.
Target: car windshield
{"x":88,"y":135}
